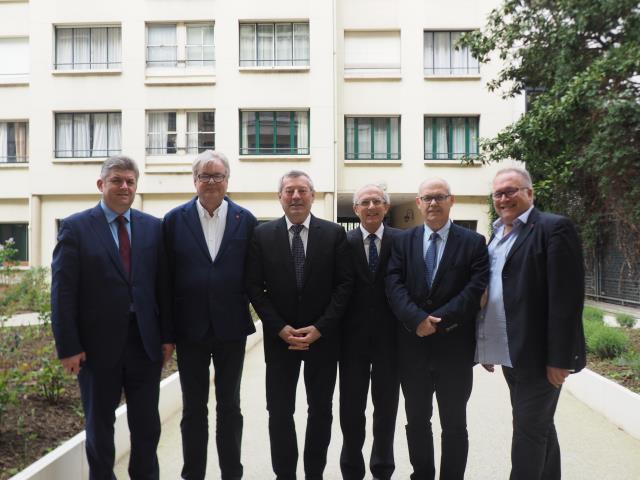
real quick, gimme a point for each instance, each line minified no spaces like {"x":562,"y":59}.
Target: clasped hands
{"x":427,"y":326}
{"x":299,"y":338}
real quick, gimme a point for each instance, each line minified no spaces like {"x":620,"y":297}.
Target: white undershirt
{"x":213,"y":226}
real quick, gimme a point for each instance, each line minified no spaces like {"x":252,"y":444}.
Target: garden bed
{"x":621,"y":370}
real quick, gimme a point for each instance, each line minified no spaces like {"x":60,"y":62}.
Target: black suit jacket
{"x":271,"y":284}
{"x":91,"y":294}
{"x":543,"y":292}
{"x":460,"y":280}
{"x":368,"y":313}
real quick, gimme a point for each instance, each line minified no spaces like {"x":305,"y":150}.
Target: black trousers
{"x":535,"y":451}
{"x":101,"y":390}
{"x":281,"y":381}
{"x":420,"y":378}
{"x":194,"y":359}
{"x":378,"y":363}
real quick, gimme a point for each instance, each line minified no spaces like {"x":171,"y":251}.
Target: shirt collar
{"x":443,"y":232}
{"x":111,"y":215}
{"x":306,"y":222}
{"x":218,"y":212}
{"x":377,"y":233}
{"x":523,"y":218}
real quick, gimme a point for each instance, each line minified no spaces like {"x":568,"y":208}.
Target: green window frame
{"x":274,"y":132}
{"x":372,"y":138}
{"x":451,"y":138}
{"x":20,"y":234}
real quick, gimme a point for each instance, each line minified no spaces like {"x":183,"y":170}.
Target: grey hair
{"x":118,"y":162}
{"x":210,"y":156}
{"x":295,"y":174}
{"x":356,"y":194}
{"x":435,"y":179}
{"x":526,"y":177}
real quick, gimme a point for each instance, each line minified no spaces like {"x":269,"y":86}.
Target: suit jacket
{"x":462,"y":276}
{"x":91,"y":294}
{"x":208,"y":293}
{"x":271,"y":284}
{"x":543,"y":292}
{"x":368,"y":313}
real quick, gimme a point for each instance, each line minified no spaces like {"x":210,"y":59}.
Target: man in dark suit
{"x":207,"y":241}
{"x":299,"y":281}
{"x":110,"y":320}
{"x":435,"y":279}
{"x":369,"y":343}
{"x":532,"y":321}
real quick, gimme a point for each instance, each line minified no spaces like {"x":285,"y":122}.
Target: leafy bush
{"x":30,"y":293}
{"x":605,"y":342}
{"x":630,"y":360}
{"x":592,"y":314}
{"x":625,"y":320}
{"x":8,"y":395}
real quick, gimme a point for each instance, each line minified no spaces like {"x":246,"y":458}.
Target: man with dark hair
{"x":110,"y":318}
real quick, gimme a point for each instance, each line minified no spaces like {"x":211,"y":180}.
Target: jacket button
{"x":429,"y":302}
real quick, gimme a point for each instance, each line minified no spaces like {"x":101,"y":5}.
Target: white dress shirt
{"x":213,"y":226}
{"x":441,"y":242}
{"x":304,"y":233}
{"x":366,"y":240}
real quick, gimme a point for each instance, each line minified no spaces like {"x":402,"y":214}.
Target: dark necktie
{"x":124,"y":244}
{"x":297,"y":250}
{"x":431,"y":257}
{"x":373,"y":253}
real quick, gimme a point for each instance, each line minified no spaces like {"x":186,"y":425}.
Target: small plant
{"x":592,"y":314}
{"x":50,"y":379}
{"x":31,"y":292}
{"x":625,"y":320}
{"x":605,"y":342}
{"x":630,"y":360}
{"x":8,"y":394}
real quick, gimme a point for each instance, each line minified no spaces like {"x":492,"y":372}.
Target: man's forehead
{"x":295,"y":182}
{"x":509,"y":178}
{"x":434,"y":187}
{"x":212,"y":165}
{"x":117,"y":172}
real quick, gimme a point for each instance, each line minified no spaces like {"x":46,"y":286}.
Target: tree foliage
{"x":580,"y":136}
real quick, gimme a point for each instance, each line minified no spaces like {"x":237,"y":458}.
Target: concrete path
{"x":22,"y":319}
{"x":592,"y":448}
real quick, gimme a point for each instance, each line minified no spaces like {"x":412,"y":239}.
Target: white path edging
{"x":69,"y":462}
{"x":616,"y":403}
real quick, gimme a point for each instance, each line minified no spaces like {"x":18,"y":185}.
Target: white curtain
{"x":395,"y":138}
{"x":3,"y":142}
{"x":379,"y":138}
{"x":442,"y":138}
{"x":265,"y":44}
{"x":162,"y":47}
{"x":21,"y":141}
{"x":350,"y":140}
{"x":200,"y":49}
{"x":100,"y":140}
{"x":284,"y":44}
{"x":192,"y":132}
{"x":473,"y":136}
{"x":115,"y":48}
{"x":459,"y":56}
{"x":99,"y":55}
{"x":64,"y":135}
{"x":64,"y":49}
{"x":301,"y":44}
{"x":157,"y":128}
{"x":115,"y":133}
{"x":247,"y":45}
{"x":302,"y":119}
{"x":364,"y":138}
{"x":441,"y":51}
{"x":459,"y":137}
{"x":82,"y":48}
{"x":372,"y":52}
{"x":81,"y":135}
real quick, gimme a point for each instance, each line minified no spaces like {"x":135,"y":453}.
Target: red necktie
{"x":124,"y":244}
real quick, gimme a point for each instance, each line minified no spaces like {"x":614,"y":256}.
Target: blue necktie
{"x":431,"y":257}
{"x":297,"y":251}
{"x":373,"y":253}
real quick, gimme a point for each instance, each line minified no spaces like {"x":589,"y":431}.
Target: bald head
{"x":438,"y":182}
{"x":435,"y":201}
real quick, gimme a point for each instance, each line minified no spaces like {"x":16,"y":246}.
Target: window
{"x":441,"y":57}
{"x":274,"y":133}
{"x":372,"y":53}
{"x":18,"y":232}
{"x":14,"y":53}
{"x":165,"y":130}
{"x":274,"y":44}
{"x":88,"y":48}
{"x":13,"y":142}
{"x":372,"y":138}
{"x":447,"y":138}
{"x":180,"y":45}
{"x":84,"y":135}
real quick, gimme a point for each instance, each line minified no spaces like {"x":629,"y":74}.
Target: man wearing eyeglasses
{"x":436,"y":276}
{"x":532,"y":321}
{"x":299,"y":282}
{"x":207,"y":241}
{"x":368,"y":353}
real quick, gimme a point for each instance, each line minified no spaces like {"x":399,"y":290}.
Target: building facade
{"x":350,"y":91}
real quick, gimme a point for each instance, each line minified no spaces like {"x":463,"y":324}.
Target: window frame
{"x":73,"y":28}
{"x":181,"y":133}
{"x":199,"y":148}
{"x":23,"y":235}
{"x":356,"y":155}
{"x":437,"y":155}
{"x":293,"y":149}
{"x":181,"y":45}
{"x":109,"y":152}
{"x":447,"y":71}
{"x":273,"y":63}
{"x":13,"y":159}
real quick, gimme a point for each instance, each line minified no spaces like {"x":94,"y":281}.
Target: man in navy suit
{"x":110,"y":320}
{"x":532,"y":321}
{"x":299,"y":281}
{"x":207,"y":240}
{"x":369,"y":350}
{"x":435,"y":279}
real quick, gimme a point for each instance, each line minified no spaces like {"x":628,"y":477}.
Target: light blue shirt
{"x":442,"y":242}
{"x":492,"y":345}
{"x":113,"y":223}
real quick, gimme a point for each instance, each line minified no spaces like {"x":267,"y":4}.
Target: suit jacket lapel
{"x":450,"y":249}
{"x":103,"y":232}
{"x":360,"y":258}
{"x":138,"y":230}
{"x":419,"y":268}
{"x":524,"y":233}
{"x":385,"y":250}
{"x":234,"y":217}
{"x":191,"y":218}
{"x":315,"y":232}
{"x":283,"y":248}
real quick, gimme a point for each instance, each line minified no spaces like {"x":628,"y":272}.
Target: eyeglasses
{"x":216,"y":177}
{"x":118,"y":181}
{"x":376,"y":202}
{"x":508,"y":193}
{"x":431,"y":198}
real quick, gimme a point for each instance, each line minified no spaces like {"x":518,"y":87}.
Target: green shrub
{"x":30,"y":293}
{"x":625,"y":320}
{"x":631,"y":360}
{"x":605,"y":342}
{"x":592,"y":314}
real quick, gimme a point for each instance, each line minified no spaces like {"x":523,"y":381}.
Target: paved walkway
{"x":592,"y":447}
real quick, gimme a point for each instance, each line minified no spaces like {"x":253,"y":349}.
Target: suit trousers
{"x":101,"y":390}
{"x":358,"y":365}
{"x":281,"y":382}
{"x":421,"y":377}
{"x":535,"y":451}
{"x":194,"y":358}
